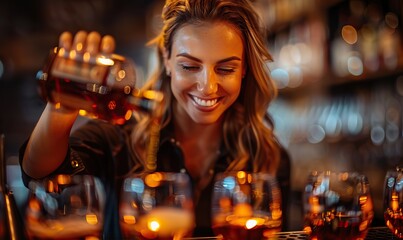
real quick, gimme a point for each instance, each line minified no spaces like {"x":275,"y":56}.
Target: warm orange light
{"x":349,"y":34}
{"x":155,"y":95}
{"x":128,"y":114}
{"x":133,"y":204}
{"x":363,"y":199}
{"x":394,"y":203}
{"x":61,"y":53}
{"x":91,"y":219}
{"x":82,"y":112}
{"x":315,"y":206}
{"x":225,"y":203}
{"x":243,"y":210}
{"x":153,"y":225}
{"x":307,"y":229}
{"x":249,"y":178}
{"x":105,"y":61}
{"x":72,"y":54}
{"x":112,"y":105}
{"x":276,"y":214}
{"x":153,"y":179}
{"x":129,"y":219}
{"x":344,"y":176}
{"x":251,"y":223}
{"x":395,"y":197}
{"x":63,"y":179}
{"x":34,"y":205}
{"x":241,"y":174}
{"x":86,"y":57}
{"x":50,"y":187}
{"x":120,"y":75}
{"x":127,"y":89}
{"x":79,"y":46}
{"x":363,"y":226}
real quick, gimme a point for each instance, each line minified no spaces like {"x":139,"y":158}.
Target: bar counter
{"x":374,"y":233}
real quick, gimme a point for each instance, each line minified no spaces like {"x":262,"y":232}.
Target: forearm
{"x":48,"y":144}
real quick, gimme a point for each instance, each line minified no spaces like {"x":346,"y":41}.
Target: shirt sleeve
{"x":90,"y":148}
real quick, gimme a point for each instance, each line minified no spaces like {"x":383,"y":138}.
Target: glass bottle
{"x":100,"y":86}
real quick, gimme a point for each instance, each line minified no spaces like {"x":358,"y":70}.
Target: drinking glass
{"x":246,"y":206}
{"x":393,"y":201}
{"x":337,"y":205}
{"x":65,"y":207}
{"x":157,"y":206}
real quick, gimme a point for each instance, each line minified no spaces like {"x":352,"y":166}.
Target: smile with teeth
{"x":205,"y":103}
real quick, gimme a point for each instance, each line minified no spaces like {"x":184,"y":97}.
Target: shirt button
{"x":74,"y":163}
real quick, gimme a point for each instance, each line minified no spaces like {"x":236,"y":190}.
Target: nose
{"x":207,"y":84}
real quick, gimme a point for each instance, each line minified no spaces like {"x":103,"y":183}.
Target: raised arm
{"x":48,"y":144}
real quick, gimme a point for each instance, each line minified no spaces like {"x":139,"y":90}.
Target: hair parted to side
{"x":248,"y":129}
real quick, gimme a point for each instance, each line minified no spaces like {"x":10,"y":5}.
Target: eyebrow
{"x":198,"y":60}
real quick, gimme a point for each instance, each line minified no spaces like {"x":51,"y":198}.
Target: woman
{"x":217,"y":91}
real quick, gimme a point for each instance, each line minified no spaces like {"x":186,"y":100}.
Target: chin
{"x":207,"y":120}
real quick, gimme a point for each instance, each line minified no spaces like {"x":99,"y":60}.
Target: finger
{"x":65,"y":40}
{"x":93,"y":42}
{"x":108,"y":44}
{"x":79,"y":41}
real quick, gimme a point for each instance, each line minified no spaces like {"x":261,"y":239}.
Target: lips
{"x":205,"y":102}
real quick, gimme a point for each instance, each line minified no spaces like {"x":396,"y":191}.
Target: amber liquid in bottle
{"x":99,"y":86}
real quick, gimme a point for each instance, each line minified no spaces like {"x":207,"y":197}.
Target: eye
{"x":189,"y":67}
{"x":225,"y":70}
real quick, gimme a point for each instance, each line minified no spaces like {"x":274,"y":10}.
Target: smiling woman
{"x":212,"y":73}
{"x":208,"y":67}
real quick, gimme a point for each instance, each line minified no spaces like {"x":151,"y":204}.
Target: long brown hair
{"x":247,"y":130}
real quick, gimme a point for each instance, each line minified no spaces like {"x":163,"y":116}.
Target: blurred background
{"x":338,"y":65}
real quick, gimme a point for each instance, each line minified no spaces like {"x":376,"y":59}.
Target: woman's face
{"x":206,"y":66}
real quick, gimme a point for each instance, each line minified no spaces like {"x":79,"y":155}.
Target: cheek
{"x":179,"y":83}
{"x":233,"y":87}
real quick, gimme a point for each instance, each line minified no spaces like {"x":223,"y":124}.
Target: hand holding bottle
{"x":84,"y":75}
{"x":48,"y":143}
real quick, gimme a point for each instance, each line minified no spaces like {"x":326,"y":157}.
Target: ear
{"x":244,"y":69}
{"x":166,"y":61}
